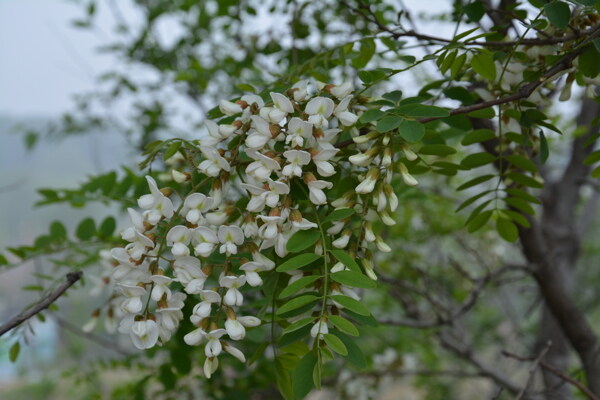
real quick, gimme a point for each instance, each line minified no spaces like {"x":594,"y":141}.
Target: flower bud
{"x":365,"y":138}
{"x":343,"y":240}
{"x":408,"y":153}
{"x":180,"y":177}
{"x":386,"y":161}
{"x":381,"y":245}
{"x":406,"y":176}
{"x":368,"y":184}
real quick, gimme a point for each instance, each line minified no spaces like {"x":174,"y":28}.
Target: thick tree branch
{"x":17,"y":320}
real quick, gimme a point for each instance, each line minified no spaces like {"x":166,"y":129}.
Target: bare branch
{"x":556,"y":372}
{"x":521,"y":93}
{"x":370,"y":16}
{"x":466,"y":353}
{"x":532,"y":369}
{"x":72,"y":277}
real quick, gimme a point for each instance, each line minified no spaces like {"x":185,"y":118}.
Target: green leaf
{"x":302,"y":240}
{"x":346,"y":259}
{"x":3,"y":260}
{"x":366,"y":77}
{"x":366,"y":320}
{"x":245,"y":87}
{"x":457,"y":65}
{"x":521,"y":162}
{"x":302,"y":378}
{"x":592,"y":158}
{"x":351,"y":304}
{"x":479,"y":221}
{"x":507,"y":229}
{"x":284,"y":380}
{"x":544,"y":150}
{"x":596,"y":172}
{"x":298,"y":324}
{"x":371,"y":115}
{"x":518,"y":218}
{"x":524,"y":180}
{"x":340,"y":213}
{"x":33,"y":288}
{"x":343,"y":325}
{"x":437,"y":150}
{"x":478,"y":136}
{"x":297,"y":285}
{"x":171,"y":150}
{"x":477,"y":160}
{"x":108,"y":226}
{"x":448,"y":60}
{"x":57,"y":231}
{"x":367,"y":50}
{"x":472,"y":200}
{"x":353,"y":279}
{"x":13,"y":353}
{"x":394,"y":95}
{"x":484,"y":113}
{"x":297,"y":302}
{"x":475,"y":181}
{"x":464,"y":34}
{"x":295,"y":336}
{"x":411,"y":131}
{"x":558,"y":14}
{"x":475,"y":10}
{"x":389,"y":123}
{"x":355,"y":354}
{"x":520,"y":204}
{"x":514,"y":192}
{"x":335,"y":344}
{"x":86,"y":229}
{"x":484,"y":65}
{"x":167,"y":377}
{"x":298,"y":262}
{"x":477,"y":210}
{"x":417,"y":110}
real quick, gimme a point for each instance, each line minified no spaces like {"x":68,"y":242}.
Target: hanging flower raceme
{"x":263,"y":188}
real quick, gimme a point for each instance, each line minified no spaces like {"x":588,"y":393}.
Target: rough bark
{"x":553,"y":244}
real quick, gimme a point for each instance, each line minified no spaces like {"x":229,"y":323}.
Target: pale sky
{"x":44,"y":61}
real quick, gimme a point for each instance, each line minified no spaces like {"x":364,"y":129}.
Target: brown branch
{"x":522,"y":93}
{"x":72,"y":277}
{"x":466,"y":353}
{"x":525,"y":91}
{"x":371,"y":17}
{"x":556,"y":372}
{"x":536,"y":362}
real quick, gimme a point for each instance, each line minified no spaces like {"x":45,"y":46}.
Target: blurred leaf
{"x":558,"y":14}
{"x":14,"y":351}
{"x":86,"y":229}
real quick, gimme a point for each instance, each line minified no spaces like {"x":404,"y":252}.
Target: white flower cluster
{"x":264,"y":152}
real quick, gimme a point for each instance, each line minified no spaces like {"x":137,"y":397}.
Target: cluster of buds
{"x":268,"y":168}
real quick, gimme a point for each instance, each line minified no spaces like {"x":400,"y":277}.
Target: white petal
{"x":282,"y":102}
